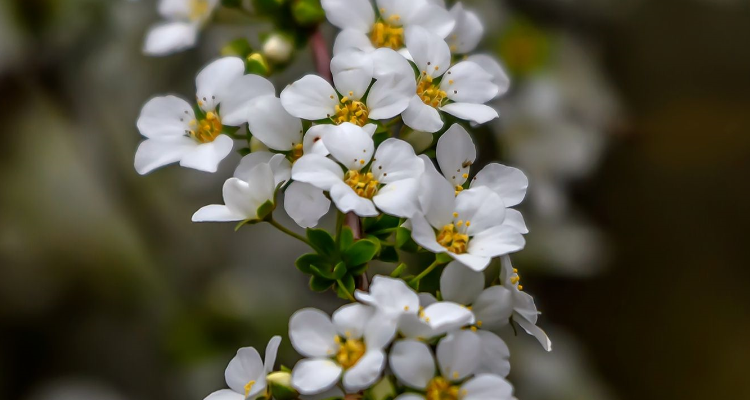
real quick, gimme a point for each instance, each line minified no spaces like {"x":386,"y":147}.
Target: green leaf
{"x":360,"y":252}
{"x":322,"y":241}
{"x":339,"y":270}
{"x":237,"y":47}
{"x":319,"y":284}
{"x":306,"y":261}
{"x":346,"y":239}
{"x":348,"y":289}
{"x":322,"y":272}
{"x":388,"y":254}
{"x":308,"y":12}
{"x":266,"y":209}
{"x":404,"y":241}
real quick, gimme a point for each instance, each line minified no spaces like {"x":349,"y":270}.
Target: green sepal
{"x":319,"y":284}
{"x":348,"y":289}
{"x":308,"y":12}
{"x":305,"y":262}
{"x":265,"y":210}
{"x":379,"y":225}
{"x":243,"y":151}
{"x":399,"y":270}
{"x":284,"y":368}
{"x":280,"y":384}
{"x":339,"y":270}
{"x":238,"y":47}
{"x":322,"y":241}
{"x":257,"y":64}
{"x":346,"y":238}
{"x":360,"y":252}
{"x":383,"y":390}
{"x":404,"y":240}
{"x":388,"y":254}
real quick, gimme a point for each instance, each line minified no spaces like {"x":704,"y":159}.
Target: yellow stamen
{"x":364,"y":184}
{"x":384,"y":34}
{"x":453,"y":240}
{"x":350,"y":352}
{"x":249,"y":387}
{"x":351,"y":111}
{"x":440,"y":389}
{"x":206,"y":130}
{"x":430,"y":93}
{"x":198,"y":9}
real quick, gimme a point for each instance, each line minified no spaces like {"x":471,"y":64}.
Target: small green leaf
{"x":346,"y":239}
{"x":319,"y":284}
{"x":360,"y":252}
{"x":322,"y":241}
{"x":237,"y":47}
{"x":388,"y":254}
{"x":404,"y":241}
{"x":266,"y":209}
{"x":323,"y":272}
{"x":305,"y":262}
{"x":339,"y":270}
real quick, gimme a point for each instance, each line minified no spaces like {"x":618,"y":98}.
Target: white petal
{"x":493,"y":67}
{"x":514,"y":219}
{"x":475,"y":262}
{"x":436,"y":196}
{"x":155,"y":153}
{"x":413,"y":327}
{"x":272,"y":124}
{"x":456,"y":154}
{"x":421,"y":117}
{"x":476,"y":113}
{"x":366,"y":372}
{"x":246,"y":366}
{"x":352,"y":74}
{"x":217,"y":213}
{"x":313,"y":376}
{"x":398,"y":12}
{"x":226,"y":394}
{"x":350,"y":320}
{"x":163,"y":117}
{"x":535,"y":331}
{"x":170,"y":37}
{"x":347,"y":200}
{"x":468,"y":31}
{"x":241,"y":96}
{"x":424,"y":235}
{"x":430,"y":52}
{"x":496,"y":241}
{"x":445,"y":316}
{"x":409,"y":396}
{"x":393,"y":296}
{"x":412,"y":363}
{"x":215,"y":80}
{"x":352,"y":39}
{"x":493,"y":307}
{"x":350,"y":145}
{"x":280,"y":166}
{"x":469,"y":83}
{"x":305,"y":203}
{"x":390,"y":63}
{"x":495,"y":357}
{"x":458,"y":354}
{"x":272,"y":350}
{"x":434,"y":18}
{"x":508,"y":182}
{"x":207,"y":156}
{"x":395,"y":86}
{"x":400,"y":199}
{"x":350,"y":14}
{"x":319,"y":171}
{"x":246,"y":196}
{"x":420,"y":141}
{"x":487,"y":387}
{"x":312,"y":333}
{"x":482,"y":207}
{"x":380,"y":331}
{"x":311,"y":98}
{"x":395,"y":160}
{"x":312,"y":143}
{"x":460,"y":284}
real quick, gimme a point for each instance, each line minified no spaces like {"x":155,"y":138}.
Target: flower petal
{"x":207,"y":156}
{"x":248,"y":195}
{"x":352,"y":74}
{"x":421,"y":117}
{"x":155,"y":153}
{"x":460,"y":284}
{"x":495,"y":358}
{"x":365,"y":372}
{"x":458,"y":354}
{"x":496,"y":241}
{"x":306,"y":204}
{"x":493,"y":67}
{"x":487,"y":387}
{"x":430,"y":52}
{"x":409,"y":396}
{"x":412,"y":363}
{"x":242,"y":96}
{"x":350,"y":14}
{"x":312,"y":333}
{"x":424,"y":235}
{"x":493,"y":307}
{"x":436,"y":196}
{"x":319,"y":171}
{"x":311,"y":98}
{"x":273,"y":125}
{"x":469,"y":83}
{"x":280,"y":166}
{"x":225,"y":394}
{"x":434,"y":18}
{"x":468,"y":31}
{"x":446,"y":316}
{"x":272,"y":350}
{"x":347,"y":200}
{"x":535,"y":331}
{"x":456,"y":154}
{"x":392,"y":296}
{"x":476,"y":113}
{"x":246,"y":366}
{"x":352,"y":39}
{"x":400,"y":199}
{"x":217,"y":213}
{"x":312,"y":143}
{"x":413,"y":327}
{"x":395,"y":86}
{"x":165,"y":117}
{"x":216,"y":79}
{"x":350,"y":145}
{"x":350,"y":320}
{"x":380,"y":331}
{"x":514,"y":219}
{"x":482,"y":207}
{"x":395,"y":160}
{"x":475,"y":262}
{"x":170,"y":37}
{"x":316,"y":375}
{"x":508,"y":182}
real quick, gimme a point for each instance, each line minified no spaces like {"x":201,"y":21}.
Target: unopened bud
{"x":281,"y":386}
{"x":257,"y":64}
{"x":278,"y":48}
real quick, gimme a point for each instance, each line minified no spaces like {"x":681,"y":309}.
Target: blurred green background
{"x":631,"y":117}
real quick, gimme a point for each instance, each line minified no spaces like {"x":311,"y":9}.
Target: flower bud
{"x":278,"y":48}
{"x":280,"y":384}
{"x":257,"y":64}
{"x":257,"y":145}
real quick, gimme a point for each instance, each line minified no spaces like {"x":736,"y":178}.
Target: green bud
{"x":278,"y":48}
{"x":257,"y":64}
{"x":382,"y":390}
{"x":280,"y":384}
{"x":308,"y":12}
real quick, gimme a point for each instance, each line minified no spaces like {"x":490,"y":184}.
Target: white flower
{"x":492,"y":66}
{"x":458,"y":358}
{"x":246,"y":373}
{"x":460,"y":90}
{"x":365,"y":30}
{"x":278,"y":48}
{"x":471,"y":227}
{"x":243,"y":197}
{"x":521,"y":304}
{"x":313,"y":98}
{"x":184,"y":19}
{"x":350,"y":345}
{"x":388,"y":181}
{"x":173,"y":131}
{"x":456,"y":154}
{"x":467,"y":32}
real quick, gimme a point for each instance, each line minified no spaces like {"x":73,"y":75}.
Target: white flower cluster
{"x":398,"y":69}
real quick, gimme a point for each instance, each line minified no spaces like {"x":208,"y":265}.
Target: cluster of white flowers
{"x":399,"y":69}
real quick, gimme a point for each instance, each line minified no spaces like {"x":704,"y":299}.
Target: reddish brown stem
{"x":321,"y":55}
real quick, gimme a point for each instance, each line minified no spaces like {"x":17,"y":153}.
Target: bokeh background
{"x":631,"y":117}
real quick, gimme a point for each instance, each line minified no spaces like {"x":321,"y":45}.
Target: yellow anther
{"x":206,"y":130}
{"x":440,"y":389}
{"x":452,"y":240}
{"x":364,"y":184}
{"x":473,"y":328}
{"x":249,"y":387}
{"x":455,"y":214}
{"x":344,"y":100}
{"x":351,"y":111}
{"x":362,"y":162}
{"x":351,"y":93}
{"x":406,"y":308}
{"x":468,"y":223}
{"x":384,"y":34}
{"x":465,"y":176}
{"x":350,"y":352}
{"x":459,"y":223}
{"x":297,"y":152}
{"x":479,"y":323}
{"x":515,"y":271}
{"x":337,"y":339}
{"x":520,"y":287}
{"x":348,"y":334}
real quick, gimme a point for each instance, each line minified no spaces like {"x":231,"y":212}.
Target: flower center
{"x":297,"y":152}
{"x":515,"y":278}
{"x":364,"y":184}
{"x":350,"y":352}
{"x":440,"y":389}
{"x":384,"y":34}
{"x":249,"y":387}
{"x":429,"y":92}
{"x":453,"y":240}
{"x":198,"y":9}
{"x":351,"y":111}
{"x":207,"y":129}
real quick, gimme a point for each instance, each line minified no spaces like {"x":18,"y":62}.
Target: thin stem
{"x":339,"y":226}
{"x":289,"y":232}
{"x":349,"y":295}
{"x":321,"y":55}
{"x":427,"y":271}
